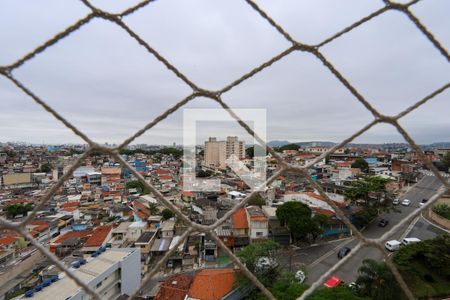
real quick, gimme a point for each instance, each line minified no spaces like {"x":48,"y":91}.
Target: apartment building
{"x":110,"y":272}
{"x":217,"y":152}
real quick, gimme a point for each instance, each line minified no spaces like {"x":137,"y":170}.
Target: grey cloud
{"x":105,"y":83}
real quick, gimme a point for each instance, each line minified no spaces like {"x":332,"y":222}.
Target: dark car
{"x":383,"y":223}
{"x":343,"y":252}
{"x":422,"y":203}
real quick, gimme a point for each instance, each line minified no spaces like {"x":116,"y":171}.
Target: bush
{"x":428,"y":278}
{"x":443,"y":210}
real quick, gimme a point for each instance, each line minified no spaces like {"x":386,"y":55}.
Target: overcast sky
{"x":108,"y":85}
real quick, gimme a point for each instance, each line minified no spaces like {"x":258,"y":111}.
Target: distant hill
{"x":277,"y":143}
{"x":280,"y":143}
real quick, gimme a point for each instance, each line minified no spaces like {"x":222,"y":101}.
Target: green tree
{"x":203,"y":174}
{"x":46,"y":168}
{"x":286,"y":287}
{"x":250,"y":151}
{"x":250,"y":255}
{"x":437,"y":254}
{"x":337,"y":293}
{"x":153,"y":208}
{"x":18,"y":209}
{"x":361,"y":164}
{"x":289,"y":147}
{"x":298,"y":218}
{"x":136,"y":184}
{"x":167,"y":214}
{"x":362,"y":188}
{"x":377,"y":282}
{"x":446,"y":160}
{"x":256,"y":200}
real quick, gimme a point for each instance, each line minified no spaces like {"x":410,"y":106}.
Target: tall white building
{"x":111,"y":273}
{"x":217,"y":152}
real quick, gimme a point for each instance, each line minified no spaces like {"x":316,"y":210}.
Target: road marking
{"x":410,"y":227}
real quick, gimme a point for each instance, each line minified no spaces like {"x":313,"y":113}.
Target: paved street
{"x":419,"y":228}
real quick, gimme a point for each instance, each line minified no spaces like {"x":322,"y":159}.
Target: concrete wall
{"x":131,"y":272}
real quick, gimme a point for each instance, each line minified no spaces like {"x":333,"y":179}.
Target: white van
{"x":393,"y":245}
{"x":407,"y":241}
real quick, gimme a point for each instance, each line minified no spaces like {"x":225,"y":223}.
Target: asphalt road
{"x":419,"y":228}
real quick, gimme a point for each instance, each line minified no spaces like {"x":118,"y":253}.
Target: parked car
{"x":300,"y":276}
{"x":354,"y":286}
{"x":396,"y":201}
{"x":383,"y":223}
{"x":343,"y":252}
{"x":406,"y":202}
{"x":392,"y":245}
{"x":408,"y":241}
{"x":422,"y":203}
{"x":333,"y":281}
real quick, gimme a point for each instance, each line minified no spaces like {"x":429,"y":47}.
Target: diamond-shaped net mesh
{"x":314,"y":50}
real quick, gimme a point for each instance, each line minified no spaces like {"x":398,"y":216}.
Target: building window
{"x":99,"y":284}
{"x":259,"y":233}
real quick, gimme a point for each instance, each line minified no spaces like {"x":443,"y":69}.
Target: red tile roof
{"x":161,"y":171}
{"x":71,"y":204}
{"x":69,"y":208}
{"x":175,"y":287}
{"x":212,"y":284}
{"x":239,"y":219}
{"x":321,"y":211}
{"x":16,"y":201}
{"x":8,"y":240}
{"x":98,"y":236}
{"x":73,"y":234}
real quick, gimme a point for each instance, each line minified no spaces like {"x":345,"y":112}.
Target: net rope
{"x":216,"y":96}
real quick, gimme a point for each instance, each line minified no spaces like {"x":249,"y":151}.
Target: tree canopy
{"x":250,"y":254}
{"x":339,"y":292}
{"x":18,"y":209}
{"x":136,"y":184}
{"x":46,"y":168}
{"x":289,"y":147}
{"x":361,"y":188}
{"x":297,"y":217}
{"x":446,"y":160}
{"x":361,"y":164}
{"x":250,"y":151}
{"x":257,"y":200}
{"x":202,"y":173}
{"x":286,"y":287}
{"x":167,"y":214}
{"x":376,"y":281}
{"x":166,"y":150}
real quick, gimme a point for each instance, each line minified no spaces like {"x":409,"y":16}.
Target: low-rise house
{"x":168,"y":229}
{"x":120,"y":234}
{"x":175,"y":287}
{"x":212,"y":284}
{"x":100,"y":237}
{"x":135,"y":230}
{"x":145,"y":242}
{"x":278,"y":233}
{"x":258,"y":223}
